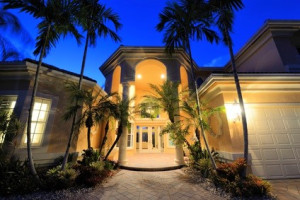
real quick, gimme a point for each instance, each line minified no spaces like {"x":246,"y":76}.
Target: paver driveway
{"x":150,"y":185}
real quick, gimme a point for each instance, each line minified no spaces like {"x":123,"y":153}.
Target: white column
{"x":149,"y":138}
{"x":123,"y":140}
{"x":159,"y":139}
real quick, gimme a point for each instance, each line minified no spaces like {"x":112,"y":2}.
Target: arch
{"x":184,"y":78}
{"x":116,"y":79}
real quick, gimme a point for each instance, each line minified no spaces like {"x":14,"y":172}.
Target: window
{"x":39,"y":120}
{"x":130,"y":136}
{"x":7,"y":104}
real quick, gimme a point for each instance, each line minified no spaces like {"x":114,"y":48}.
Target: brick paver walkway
{"x":150,"y":185}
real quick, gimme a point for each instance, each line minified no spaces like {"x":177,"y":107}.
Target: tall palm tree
{"x":224,"y":15}
{"x":10,"y":23}
{"x":94,"y":19}
{"x":123,"y":119}
{"x":56,"y":19}
{"x":183,"y":21}
{"x":96,"y":108}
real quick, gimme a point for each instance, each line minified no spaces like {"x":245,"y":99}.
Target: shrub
{"x":88,"y":176}
{"x":228,"y":177}
{"x":71,"y":158}
{"x":204,"y":167}
{"x":89,"y":156}
{"x":58,"y":179}
{"x":16,"y":178}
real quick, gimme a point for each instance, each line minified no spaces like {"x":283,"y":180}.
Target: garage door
{"x":274,"y":140}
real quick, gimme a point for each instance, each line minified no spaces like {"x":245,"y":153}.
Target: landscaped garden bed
{"x":78,"y":178}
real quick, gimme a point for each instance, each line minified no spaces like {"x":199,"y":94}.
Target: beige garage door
{"x":274,"y":140}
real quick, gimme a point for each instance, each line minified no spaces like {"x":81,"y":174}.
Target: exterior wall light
{"x":162,"y":76}
{"x":233,"y":111}
{"x":139,"y":76}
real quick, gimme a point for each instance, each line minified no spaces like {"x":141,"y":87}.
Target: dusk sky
{"x":139,"y":18}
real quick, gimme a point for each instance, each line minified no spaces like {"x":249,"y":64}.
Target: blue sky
{"x":139,"y":18}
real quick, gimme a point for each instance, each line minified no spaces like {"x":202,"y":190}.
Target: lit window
{"x":7,"y":104}
{"x":130,"y":136}
{"x":39,"y":120}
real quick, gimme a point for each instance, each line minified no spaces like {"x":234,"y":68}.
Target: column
{"x":179,"y":151}
{"x":159,"y":139}
{"x":149,"y":138}
{"x":123,"y":139}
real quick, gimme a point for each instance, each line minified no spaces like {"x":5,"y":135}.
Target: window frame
{"x":11,"y":98}
{"x":45,"y":122}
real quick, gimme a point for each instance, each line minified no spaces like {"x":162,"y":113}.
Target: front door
{"x":148,"y":138}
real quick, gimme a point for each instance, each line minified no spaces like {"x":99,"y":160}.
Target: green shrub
{"x":89,"y":156}
{"x":58,"y":179}
{"x":109,"y":165}
{"x":16,"y":178}
{"x":99,"y":165}
{"x":204,"y":167}
{"x":88,"y":176}
{"x":72,"y":158}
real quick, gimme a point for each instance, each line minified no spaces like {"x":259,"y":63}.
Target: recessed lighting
{"x":139,"y":76}
{"x":162,"y":76}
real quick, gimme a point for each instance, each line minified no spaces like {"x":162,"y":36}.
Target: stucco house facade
{"x":269,"y":72}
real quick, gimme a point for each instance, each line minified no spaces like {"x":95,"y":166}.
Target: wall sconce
{"x":233,"y":111}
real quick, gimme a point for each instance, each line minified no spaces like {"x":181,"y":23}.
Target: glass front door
{"x":148,"y":138}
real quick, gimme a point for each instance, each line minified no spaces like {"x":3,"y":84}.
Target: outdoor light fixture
{"x":233,"y":111}
{"x":139,"y":76}
{"x":162,"y":76}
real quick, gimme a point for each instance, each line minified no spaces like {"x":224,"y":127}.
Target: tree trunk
{"x":105,"y":137}
{"x":29,"y":120}
{"x":198,"y":104}
{"x":116,"y":141}
{"x":63,"y":166}
{"x":89,"y":137}
{"x":241,"y":101}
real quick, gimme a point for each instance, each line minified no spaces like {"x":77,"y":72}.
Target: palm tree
{"x":123,"y":120}
{"x":93,"y":18}
{"x":183,"y":21}
{"x":56,"y":19}
{"x":96,"y":108}
{"x":9,"y":22}
{"x":223,"y":11}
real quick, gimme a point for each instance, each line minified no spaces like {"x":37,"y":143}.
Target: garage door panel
{"x":291,"y":170}
{"x":270,"y":154}
{"x":295,"y":137}
{"x":274,"y":171}
{"x":277,"y":125}
{"x":287,"y":154}
{"x":266,"y":140}
{"x":274,"y":140}
{"x":282,"y":139}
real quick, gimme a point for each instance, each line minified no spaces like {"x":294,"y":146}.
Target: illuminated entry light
{"x":233,"y":111}
{"x":162,"y":76}
{"x":139,"y":76}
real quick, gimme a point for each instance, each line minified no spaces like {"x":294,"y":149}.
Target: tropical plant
{"x":183,"y":21}
{"x":224,"y":17}
{"x":56,"y":19}
{"x":9,"y":23}
{"x":96,"y":108}
{"x":94,"y":19}
{"x":189,"y":107}
{"x":125,"y":114}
